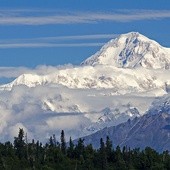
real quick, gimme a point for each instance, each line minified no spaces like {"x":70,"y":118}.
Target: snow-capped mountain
{"x":152,"y":129}
{"x":106,"y":70}
{"x":117,"y":83}
{"x":131,"y":50}
{"x":110,"y":117}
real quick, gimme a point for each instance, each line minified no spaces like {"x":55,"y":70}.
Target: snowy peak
{"x":132,"y":50}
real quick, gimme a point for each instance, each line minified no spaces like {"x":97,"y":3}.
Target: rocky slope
{"x":152,"y":129}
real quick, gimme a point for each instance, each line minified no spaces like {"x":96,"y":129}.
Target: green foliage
{"x":19,"y":145}
{"x":54,"y":155}
{"x":63,"y":143}
{"x":70,"y":150}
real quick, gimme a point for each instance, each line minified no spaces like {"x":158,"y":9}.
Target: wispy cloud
{"x":48,"y":45}
{"x":40,"y":17}
{"x":60,"y":38}
{"x":78,"y":37}
{"x":13,"y":72}
{"x":47,"y":42}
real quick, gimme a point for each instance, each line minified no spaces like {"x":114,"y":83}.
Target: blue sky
{"x":57,"y":32}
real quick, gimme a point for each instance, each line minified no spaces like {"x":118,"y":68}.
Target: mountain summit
{"x":131,"y":50}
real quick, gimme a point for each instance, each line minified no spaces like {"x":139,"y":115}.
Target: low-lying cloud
{"x":13,"y":72}
{"x":24,"y":107}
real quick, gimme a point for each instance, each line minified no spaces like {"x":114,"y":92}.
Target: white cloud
{"x":13,"y":72}
{"x":48,"y":45}
{"x":79,"y":37}
{"x":38,"y":17}
{"x":68,"y":37}
{"x":22,"y":108}
{"x":64,"y":122}
{"x":47,"y":42}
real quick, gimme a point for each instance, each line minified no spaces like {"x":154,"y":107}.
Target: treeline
{"x":21,"y":155}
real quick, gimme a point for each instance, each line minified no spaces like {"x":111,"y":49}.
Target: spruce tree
{"x":70,"y":150}
{"x":63,"y":142}
{"x":19,"y":144}
{"x":79,"y":149}
{"x":108,"y":149}
{"x":102,"y":155}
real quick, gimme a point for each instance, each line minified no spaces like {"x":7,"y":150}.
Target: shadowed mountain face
{"x":149,"y":130}
{"x":152,"y":129}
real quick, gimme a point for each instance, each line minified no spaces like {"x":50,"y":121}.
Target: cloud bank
{"x":24,"y":107}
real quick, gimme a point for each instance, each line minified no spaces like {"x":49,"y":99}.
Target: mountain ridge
{"x":123,"y":81}
{"x":151,"y":129}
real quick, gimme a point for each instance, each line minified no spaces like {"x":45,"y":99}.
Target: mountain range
{"x":152,"y":129}
{"x":120,"y":82}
